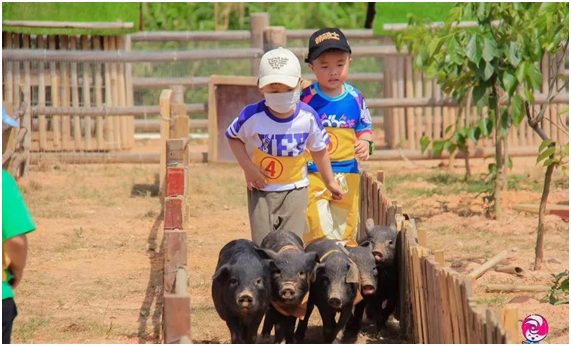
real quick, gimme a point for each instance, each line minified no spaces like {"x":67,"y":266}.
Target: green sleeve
{"x":16,"y":218}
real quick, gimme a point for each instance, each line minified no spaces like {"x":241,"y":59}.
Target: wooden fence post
{"x":258,"y":23}
{"x":165,"y":110}
{"x":274,"y":37}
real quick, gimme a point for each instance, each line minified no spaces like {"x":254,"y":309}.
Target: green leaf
{"x":474,"y":50}
{"x":518,"y":110}
{"x":479,"y":92}
{"x":544,"y":144}
{"x":490,"y":50}
{"x":520,"y":73}
{"x":485,"y":125}
{"x":434,"y":45}
{"x":533,"y":75}
{"x":567,"y":149}
{"x":565,"y":285}
{"x":424,"y":143}
{"x":510,"y":162}
{"x":488,"y":71}
{"x":448,"y":129}
{"x":548,"y":162}
{"x":548,"y":152}
{"x":438,"y":147}
{"x":509,"y":81}
{"x":452,"y":148}
{"x":529,"y":95}
{"x":474,"y":134}
{"x":514,"y":55}
{"x":561,"y":302}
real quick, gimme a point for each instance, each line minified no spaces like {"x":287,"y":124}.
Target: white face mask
{"x":282,"y":102}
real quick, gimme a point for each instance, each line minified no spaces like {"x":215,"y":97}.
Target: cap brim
{"x":290,"y":81}
{"x":8,"y":120}
{"x":322,"y":48}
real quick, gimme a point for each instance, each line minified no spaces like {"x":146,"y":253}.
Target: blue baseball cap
{"x":8,"y":120}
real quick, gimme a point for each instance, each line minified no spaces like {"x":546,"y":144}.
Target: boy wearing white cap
{"x":269,"y":138}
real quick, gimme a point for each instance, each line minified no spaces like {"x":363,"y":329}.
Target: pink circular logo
{"x":534,"y":329}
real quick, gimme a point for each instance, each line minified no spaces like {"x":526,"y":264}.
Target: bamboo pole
{"x":514,"y":270}
{"x":56,"y":119}
{"x":401,"y":94}
{"x":9,"y":65}
{"x":492,"y":262}
{"x":129,"y":94}
{"x":437,"y":112}
{"x":515,"y":288}
{"x":418,"y":111}
{"x":109,"y":121}
{"x":410,"y":112}
{"x":122,"y":97}
{"x":42,"y":125}
{"x":17,"y":67}
{"x":27,"y":119}
{"x":75,"y":98}
{"x":65,"y":96}
{"x":115,"y":96}
{"x":85,"y":46}
{"x":165,"y":104}
{"x":98,"y":95}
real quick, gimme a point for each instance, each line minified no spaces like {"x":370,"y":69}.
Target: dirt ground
{"x":94,"y":272}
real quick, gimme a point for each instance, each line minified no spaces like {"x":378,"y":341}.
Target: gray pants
{"x":279,"y":210}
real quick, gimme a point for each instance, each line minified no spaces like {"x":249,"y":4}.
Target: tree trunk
{"x":467,"y":162}
{"x":541,"y":225}
{"x":370,"y":15}
{"x":494,"y":105}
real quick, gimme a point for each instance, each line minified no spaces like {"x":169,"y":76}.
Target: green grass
{"x":71,"y":12}
{"x":25,"y":330}
{"x":397,"y":12}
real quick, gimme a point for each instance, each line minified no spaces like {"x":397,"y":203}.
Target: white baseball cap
{"x":279,"y":65}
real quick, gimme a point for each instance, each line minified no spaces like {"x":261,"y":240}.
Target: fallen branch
{"x":515,"y":288}
{"x":492,"y":262}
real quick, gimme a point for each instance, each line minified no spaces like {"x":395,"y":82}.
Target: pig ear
{"x":320,"y":268}
{"x":352,"y":274}
{"x":367,"y":244}
{"x":311,"y":259}
{"x":369,"y":225}
{"x":266,"y":254}
{"x":221,"y":273}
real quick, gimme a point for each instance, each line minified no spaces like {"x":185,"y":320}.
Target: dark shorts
{"x":9,"y":313}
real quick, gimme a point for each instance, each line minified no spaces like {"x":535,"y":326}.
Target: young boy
{"x":344,"y":114}
{"x":269,"y":139}
{"x":16,"y":222}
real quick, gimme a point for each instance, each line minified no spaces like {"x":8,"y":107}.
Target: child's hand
{"x":362,"y":149}
{"x":17,"y":274}
{"x":336,"y":191}
{"x":254,"y":177}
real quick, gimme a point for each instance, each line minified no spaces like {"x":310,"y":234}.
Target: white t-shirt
{"x":278,"y":145}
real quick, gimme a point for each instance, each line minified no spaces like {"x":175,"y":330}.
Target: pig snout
{"x":334,"y":302}
{"x":368,"y":290}
{"x":380,"y":254}
{"x":245,"y":300}
{"x":287,"y":291}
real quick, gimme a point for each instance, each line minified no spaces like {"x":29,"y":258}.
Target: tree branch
{"x":532,"y":124}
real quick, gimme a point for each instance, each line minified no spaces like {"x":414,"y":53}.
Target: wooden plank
{"x":401,"y":95}
{"x":258,"y":22}
{"x":375,"y":199}
{"x":445,"y":308}
{"x":56,"y":120}
{"x":511,"y":323}
{"x":109,"y":122}
{"x":419,"y":130}
{"x":388,"y":113}
{"x":85,"y":46}
{"x":27,"y":119}
{"x":118,"y":144}
{"x":75,"y":98}
{"x":212,"y":123}
{"x":370,"y":193}
{"x":428,"y":111}
{"x":439,"y":124}
{"x":423,"y":301}
{"x":129,"y":94}
{"x":69,"y":25}
{"x":422,"y":237}
{"x":165,"y":103}
{"x":17,"y":69}
{"x":175,"y":256}
{"x":99,"y":121}
{"x":181,"y":128}
{"x":9,"y":72}
{"x":176,"y":318}
{"x":67,"y":144}
{"x":122,"y":97}
{"x":42,"y":125}
{"x":409,"y":112}
{"x":452,"y":300}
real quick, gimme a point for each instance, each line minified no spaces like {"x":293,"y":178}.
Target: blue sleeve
{"x":233,"y":130}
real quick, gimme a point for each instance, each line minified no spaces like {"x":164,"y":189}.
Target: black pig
{"x":334,"y":288}
{"x":290,"y":283}
{"x":241,"y":288}
{"x":382,"y":241}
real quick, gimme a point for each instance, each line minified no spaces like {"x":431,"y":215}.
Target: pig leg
{"x":251,"y":330}
{"x":290,"y":329}
{"x":235,"y":330}
{"x":345,"y":316}
{"x":354,"y":325}
{"x":268,"y":323}
{"x":329,"y":324}
{"x":302,"y":325}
